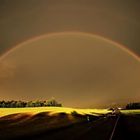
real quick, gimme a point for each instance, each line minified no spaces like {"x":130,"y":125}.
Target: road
{"x":106,"y":128}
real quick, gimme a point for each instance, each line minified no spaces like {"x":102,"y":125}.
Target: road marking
{"x":112,"y":134}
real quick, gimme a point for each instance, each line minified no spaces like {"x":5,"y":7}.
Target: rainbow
{"x":131,"y":53}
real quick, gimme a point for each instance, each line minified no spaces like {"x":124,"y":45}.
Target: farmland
{"x":41,"y":123}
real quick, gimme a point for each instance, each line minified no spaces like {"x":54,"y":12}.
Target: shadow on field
{"x":26,"y":126}
{"x":74,"y":126}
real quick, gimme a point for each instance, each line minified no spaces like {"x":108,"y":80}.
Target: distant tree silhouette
{"x":53,"y":102}
{"x":15,"y":104}
{"x":133,"y":105}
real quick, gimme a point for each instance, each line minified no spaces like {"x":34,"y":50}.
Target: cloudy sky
{"x":114,"y":19}
{"x":81,"y":68}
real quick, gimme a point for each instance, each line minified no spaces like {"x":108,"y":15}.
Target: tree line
{"x":15,"y":104}
{"x":133,"y":106}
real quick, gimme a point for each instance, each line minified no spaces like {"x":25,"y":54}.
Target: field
{"x":17,"y":122}
{"x":51,"y":110}
{"x":132,"y":112}
{"x":41,"y":123}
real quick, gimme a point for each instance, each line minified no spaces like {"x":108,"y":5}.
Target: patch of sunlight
{"x":137,"y":111}
{"x":52,"y":110}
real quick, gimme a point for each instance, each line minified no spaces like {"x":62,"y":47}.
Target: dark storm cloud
{"x":114,"y":19}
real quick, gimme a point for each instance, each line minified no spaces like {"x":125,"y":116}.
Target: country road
{"x":106,"y":128}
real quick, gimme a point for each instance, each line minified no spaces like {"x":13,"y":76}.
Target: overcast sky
{"x":66,"y":66}
{"x":77,"y":69}
{"x":118,"y":20}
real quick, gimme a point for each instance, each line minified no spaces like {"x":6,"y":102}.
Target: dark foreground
{"x":117,"y":127}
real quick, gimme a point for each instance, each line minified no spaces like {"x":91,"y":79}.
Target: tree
{"x":53,"y":102}
{"x":37,"y":103}
{"x":133,"y":105}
